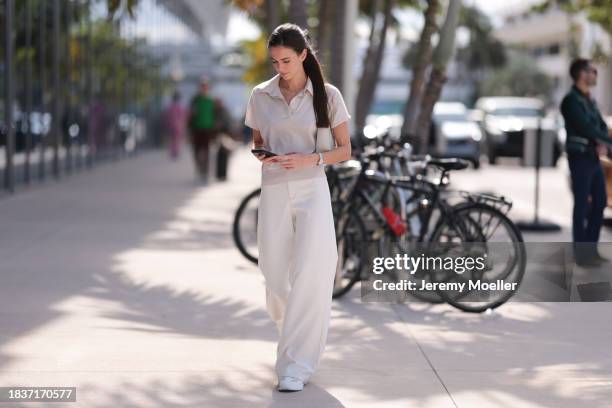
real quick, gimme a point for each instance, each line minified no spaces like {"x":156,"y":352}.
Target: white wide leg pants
{"x":298,"y":256}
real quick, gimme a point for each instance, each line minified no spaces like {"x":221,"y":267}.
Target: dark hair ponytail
{"x":579,"y":64}
{"x":292,"y":36}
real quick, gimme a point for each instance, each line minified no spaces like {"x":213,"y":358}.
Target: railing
{"x":77,"y":89}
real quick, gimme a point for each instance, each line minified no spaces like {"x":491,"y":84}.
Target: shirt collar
{"x":272,"y":88}
{"x":579,"y":92}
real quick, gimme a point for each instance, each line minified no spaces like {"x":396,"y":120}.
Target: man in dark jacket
{"x":586,"y":135}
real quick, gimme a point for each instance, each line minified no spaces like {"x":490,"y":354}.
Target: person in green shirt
{"x":202,"y":122}
{"x":587,"y":137}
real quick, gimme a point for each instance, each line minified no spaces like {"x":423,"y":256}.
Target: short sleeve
{"x":337,"y":107}
{"x":251,"y":114}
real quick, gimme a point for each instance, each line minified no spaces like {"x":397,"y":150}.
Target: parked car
{"x":504,"y":122}
{"x":386,"y":116}
{"x":453,"y":134}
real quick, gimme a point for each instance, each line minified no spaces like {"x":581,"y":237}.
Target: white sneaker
{"x":290,"y":384}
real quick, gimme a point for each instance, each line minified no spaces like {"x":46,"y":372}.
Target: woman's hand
{"x":265,"y":159}
{"x":294,"y":161}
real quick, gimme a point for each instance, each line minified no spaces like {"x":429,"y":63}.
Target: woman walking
{"x":176,"y":116}
{"x":296,"y":237}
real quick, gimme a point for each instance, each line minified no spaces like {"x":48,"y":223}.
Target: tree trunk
{"x":272,"y":16}
{"x":297,"y":13}
{"x":337,"y":44}
{"x":437,"y":78}
{"x":422,"y":60}
{"x":371,"y":67}
{"x":272,"y":20}
{"x":380,"y":52}
{"x":323,"y":31}
{"x":361,"y":102}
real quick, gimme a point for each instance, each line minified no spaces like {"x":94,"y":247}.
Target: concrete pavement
{"x":510,"y":179}
{"x":124,"y":282}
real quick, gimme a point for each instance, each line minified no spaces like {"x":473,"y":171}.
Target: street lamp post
{"x":28,"y":89}
{"x":537,"y":224}
{"x":9,"y":95}
{"x":42,"y":73}
{"x":55,"y":119}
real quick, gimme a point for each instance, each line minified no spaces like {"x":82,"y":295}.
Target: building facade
{"x":553,"y":39}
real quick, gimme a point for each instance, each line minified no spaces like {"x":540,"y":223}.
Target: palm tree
{"x":271,"y":16}
{"x":121,"y":7}
{"x":422,"y":60}
{"x":372,"y":62}
{"x":483,"y":50}
{"x":337,"y":44}
{"x":437,"y":77}
{"x":297,"y":13}
{"x":323,"y":31}
{"x":272,"y":20}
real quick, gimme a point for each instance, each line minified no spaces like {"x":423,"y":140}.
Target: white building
{"x":548,"y":38}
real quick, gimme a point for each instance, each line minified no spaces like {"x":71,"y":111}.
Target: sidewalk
{"x":510,"y":179}
{"x":124,"y":282}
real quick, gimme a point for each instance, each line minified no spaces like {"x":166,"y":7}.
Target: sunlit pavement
{"x":517,"y":183}
{"x":124,"y":282}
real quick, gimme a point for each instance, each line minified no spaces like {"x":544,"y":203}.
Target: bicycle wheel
{"x":340,"y":179}
{"x":352,"y":246}
{"x":422,"y":278}
{"x":486,"y":232}
{"x":245,"y":226}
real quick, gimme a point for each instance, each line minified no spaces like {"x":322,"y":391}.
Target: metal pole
{"x":9,"y":96}
{"x":125,"y":104}
{"x":537,"y":170}
{"x":136,"y":102}
{"x":131,"y":103}
{"x":28,"y":89}
{"x":78,"y":62}
{"x":56,"y":115}
{"x":80,"y":85}
{"x":68,"y":113}
{"x":89,"y":87}
{"x":119,"y":95}
{"x":537,"y":224}
{"x":42,"y":71}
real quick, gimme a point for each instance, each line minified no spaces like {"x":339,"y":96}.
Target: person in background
{"x":202,"y":127}
{"x":587,"y":135}
{"x":176,"y":116}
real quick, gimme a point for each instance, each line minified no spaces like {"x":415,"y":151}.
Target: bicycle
{"x":244,"y":226}
{"x":461,"y":222}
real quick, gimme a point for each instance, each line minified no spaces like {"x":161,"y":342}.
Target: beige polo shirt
{"x":290,"y":128}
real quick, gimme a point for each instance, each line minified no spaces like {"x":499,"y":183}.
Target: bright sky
{"x":497,"y":9}
{"x":158,"y":26}
{"x":240,"y":27}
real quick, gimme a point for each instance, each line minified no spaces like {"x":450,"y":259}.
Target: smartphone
{"x":265,"y":152}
